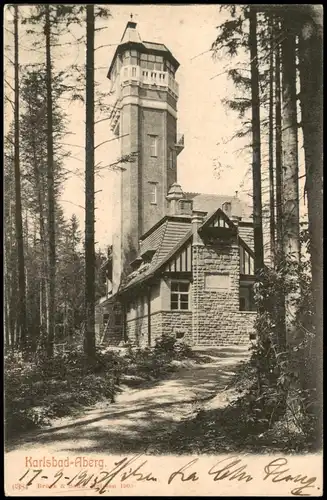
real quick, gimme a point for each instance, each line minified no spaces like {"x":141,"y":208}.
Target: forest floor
{"x":144,"y":417}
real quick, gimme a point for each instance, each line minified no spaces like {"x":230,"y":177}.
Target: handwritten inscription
{"x":233,"y":468}
{"x":229,"y":470}
{"x":182,"y":475}
{"x":99,"y":482}
{"x":276,"y":472}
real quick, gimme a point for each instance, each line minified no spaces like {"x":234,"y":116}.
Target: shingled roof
{"x":167,"y":237}
{"x":210,"y":202}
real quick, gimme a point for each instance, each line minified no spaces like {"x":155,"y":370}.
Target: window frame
{"x":249,"y":303}
{"x":179,"y":294}
{"x":153,"y":146}
{"x":171,"y":159}
{"x":154,"y":193}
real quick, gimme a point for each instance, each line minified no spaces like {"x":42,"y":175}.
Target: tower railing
{"x":148,"y":77}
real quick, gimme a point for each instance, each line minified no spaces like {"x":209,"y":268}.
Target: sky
{"x":188,"y":31}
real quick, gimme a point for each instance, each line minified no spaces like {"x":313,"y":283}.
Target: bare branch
{"x":73,"y":145}
{"x":202,"y":53}
{"x":10,"y":60}
{"x":76,"y":205}
{"x":9,"y":85}
{"x":9,"y":31}
{"x":106,"y":45}
{"x":109,"y":140}
{"x":102,"y":120}
{"x":10,"y":102}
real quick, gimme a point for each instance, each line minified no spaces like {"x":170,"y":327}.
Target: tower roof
{"x":131,"y":39}
{"x":175,"y":192}
{"x":130,"y":34}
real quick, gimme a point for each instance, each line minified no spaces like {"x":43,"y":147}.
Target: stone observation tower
{"x":144,"y":117}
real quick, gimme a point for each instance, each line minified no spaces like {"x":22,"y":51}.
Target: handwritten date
{"x":227,"y":469}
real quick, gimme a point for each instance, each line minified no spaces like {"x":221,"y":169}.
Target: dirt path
{"x":139,"y":415}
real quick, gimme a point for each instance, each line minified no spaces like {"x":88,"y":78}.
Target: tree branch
{"x":102,"y":120}
{"x":106,"y":45}
{"x":10,"y":86}
{"x":109,"y":140}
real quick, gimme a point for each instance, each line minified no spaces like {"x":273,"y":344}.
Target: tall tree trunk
{"x":43,"y":238}
{"x":279,"y":177}
{"x":311,"y":98}
{"x":256,"y":145}
{"x":12,"y":287}
{"x":291,"y":220}
{"x":89,"y":341}
{"x":22,"y":324}
{"x":6,"y":303}
{"x":271,"y":147}
{"x":50,"y":189}
{"x":279,"y":189}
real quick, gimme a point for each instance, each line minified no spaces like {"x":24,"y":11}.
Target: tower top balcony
{"x":152,"y":79}
{"x":132,"y":50}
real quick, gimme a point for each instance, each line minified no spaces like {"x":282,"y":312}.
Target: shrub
{"x":41,"y":389}
{"x":166,"y":343}
{"x":173,"y":347}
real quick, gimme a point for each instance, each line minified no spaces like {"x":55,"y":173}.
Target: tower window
{"x":153,"y":145}
{"x":153,"y":193}
{"x":171,"y":158}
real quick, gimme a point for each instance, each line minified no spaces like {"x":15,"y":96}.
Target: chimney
{"x":197,"y":221}
{"x":175,"y":194}
{"x":235,"y":219}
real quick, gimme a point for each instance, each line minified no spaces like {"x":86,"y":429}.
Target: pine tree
{"x":89,"y":344}
{"x":18,"y":202}
{"x":271,"y":146}
{"x":278,"y":152}
{"x":311,"y":100}
{"x":34,"y":167}
{"x":291,"y":221}
{"x":256,"y":144}
{"x":10,"y":250}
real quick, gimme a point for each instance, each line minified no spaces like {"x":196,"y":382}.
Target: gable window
{"x":153,"y":145}
{"x":179,"y":296}
{"x":153,"y":193}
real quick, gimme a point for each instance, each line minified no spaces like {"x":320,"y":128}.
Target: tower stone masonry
{"x":144,"y":117}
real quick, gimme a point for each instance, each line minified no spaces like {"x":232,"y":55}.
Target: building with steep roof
{"x":182,"y":263}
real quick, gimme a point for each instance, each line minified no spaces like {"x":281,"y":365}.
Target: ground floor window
{"x":180,"y":295}
{"x":247,"y":298}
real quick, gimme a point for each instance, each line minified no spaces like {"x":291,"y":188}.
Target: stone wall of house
{"x":217,"y":319}
{"x":137,"y":331}
{"x":178,"y":323}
